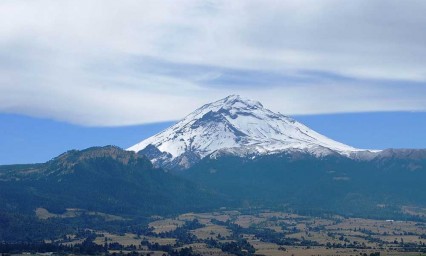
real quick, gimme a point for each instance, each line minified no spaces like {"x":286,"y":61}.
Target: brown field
{"x":43,"y":214}
{"x":165,"y":225}
{"x":211,"y":231}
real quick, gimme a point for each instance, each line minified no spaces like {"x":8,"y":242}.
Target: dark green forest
{"x":107,"y":181}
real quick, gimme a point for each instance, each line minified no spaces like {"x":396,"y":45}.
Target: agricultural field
{"x":268,"y":233}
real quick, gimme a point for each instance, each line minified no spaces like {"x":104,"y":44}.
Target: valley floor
{"x":264,"y":233}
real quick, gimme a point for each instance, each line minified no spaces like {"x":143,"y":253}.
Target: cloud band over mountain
{"x":130,"y":62}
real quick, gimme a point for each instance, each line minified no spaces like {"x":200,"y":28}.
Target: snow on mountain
{"x":235,"y":125}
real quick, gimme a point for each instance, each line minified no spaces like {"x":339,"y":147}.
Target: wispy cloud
{"x":131,"y":62}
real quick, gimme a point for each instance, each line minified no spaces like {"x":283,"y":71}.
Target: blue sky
{"x":107,"y":66}
{"x":28,"y":140}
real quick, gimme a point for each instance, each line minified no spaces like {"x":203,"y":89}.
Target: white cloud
{"x":131,"y":62}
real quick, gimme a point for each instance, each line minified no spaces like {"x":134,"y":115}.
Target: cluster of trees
{"x":182,"y":234}
{"x":169,"y":249}
{"x":413,"y":247}
{"x":240,"y":248}
{"x":372,"y":254}
{"x":16,"y":227}
{"x":87,"y":247}
{"x":265,"y":235}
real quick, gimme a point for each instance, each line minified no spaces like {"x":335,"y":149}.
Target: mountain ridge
{"x":105,"y":179}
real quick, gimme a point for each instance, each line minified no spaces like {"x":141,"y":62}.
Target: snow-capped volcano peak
{"x":235,"y":125}
{"x":235,"y":100}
